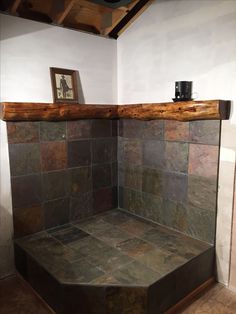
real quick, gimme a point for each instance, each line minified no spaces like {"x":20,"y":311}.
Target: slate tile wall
{"x":61,"y":171}
{"x":168,"y":172}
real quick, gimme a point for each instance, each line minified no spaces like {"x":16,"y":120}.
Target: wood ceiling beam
{"x":14,"y":7}
{"x":60,"y":17}
{"x":117,"y":16}
{"x":129,"y":18}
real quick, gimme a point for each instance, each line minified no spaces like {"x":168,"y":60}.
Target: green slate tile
{"x":109,"y":259}
{"x":136,"y":274}
{"x":89,"y":246}
{"x":134,"y":247}
{"x":93,"y":226}
{"x":161,"y":261}
{"x":78,"y":272}
{"x":113,"y":236}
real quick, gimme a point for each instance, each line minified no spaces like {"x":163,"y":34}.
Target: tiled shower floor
{"x":112,"y":248}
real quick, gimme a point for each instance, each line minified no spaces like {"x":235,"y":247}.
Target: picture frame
{"x":64,"y":85}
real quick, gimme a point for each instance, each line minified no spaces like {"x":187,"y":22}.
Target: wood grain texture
{"x":55,"y":112}
{"x":181,"y":111}
{"x":177,"y":308}
{"x":216,"y":300}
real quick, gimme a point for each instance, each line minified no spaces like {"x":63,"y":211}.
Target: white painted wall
{"x":187,"y":40}
{"x":27,"y":50}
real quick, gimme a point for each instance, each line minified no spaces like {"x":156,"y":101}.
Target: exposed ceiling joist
{"x":15,"y":6}
{"x":103,"y":17}
{"x":60,"y":17}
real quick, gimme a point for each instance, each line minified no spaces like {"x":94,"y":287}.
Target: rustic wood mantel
{"x":181,"y":111}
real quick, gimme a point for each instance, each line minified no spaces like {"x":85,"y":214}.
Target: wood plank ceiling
{"x":103,"y":17}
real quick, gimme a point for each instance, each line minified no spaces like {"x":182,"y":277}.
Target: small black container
{"x":183,"y":91}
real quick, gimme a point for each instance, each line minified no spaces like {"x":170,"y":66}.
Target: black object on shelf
{"x":183,"y":91}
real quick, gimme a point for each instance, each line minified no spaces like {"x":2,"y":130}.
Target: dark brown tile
{"x":78,"y":272}
{"x":53,"y":156}
{"x":109,"y":259}
{"x":176,"y":156}
{"x":133,"y":128}
{"x":80,"y":181}
{"x":101,"y":128}
{"x":205,"y":132}
{"x":101,"y":176}
{"x":104,"y":199}
{"x":79,"y":153}
{"x":203,"y":160}
{"x":24,"y":159}
{"x":56,"y":212}
{"x":26,"y":191}
{"x":23,"y":132}
{"x":81,"y":206}
{"x":113,"y":236}
{"x":135,"y":274}
{"x":153,"y":154}
{"x":202,"y":192}
{"x":52,"y":131}
{"x":175,"y":187}
{"x":153,"y":130}
{"x":176,"y":131}
{"x":69,"y":235}
{"x":55,"y":184}
{"x":79,"y":129}
{"x":152,"y":181}
{"x":134,"y":247}
{"x":27,"y":220}
{"x":102,"y":150}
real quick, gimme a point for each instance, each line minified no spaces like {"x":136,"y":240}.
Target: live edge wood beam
{"x":180,"y":111}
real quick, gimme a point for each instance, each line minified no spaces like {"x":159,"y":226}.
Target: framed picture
{"x":64,"y":85}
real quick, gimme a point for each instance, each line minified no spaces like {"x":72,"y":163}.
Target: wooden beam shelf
{"x":180,"y":111}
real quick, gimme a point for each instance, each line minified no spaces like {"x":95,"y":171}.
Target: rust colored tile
{"x":78,"y":129}
{"x":22,"y":132}
{"x":27,"y":220}
{"x":53,"y":156}
{"x":176,"y":131}
{"x":203,"y":160}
